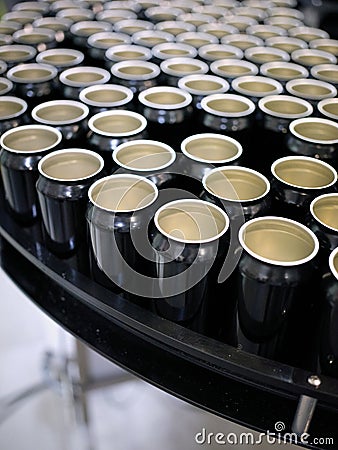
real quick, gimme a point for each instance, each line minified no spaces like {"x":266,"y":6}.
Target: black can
{"x":109,"y":129}
{"x":276,"y":114}
{"x":65,"y":177}
{"x":120,"y":209}
{"x":68,"y":116}
{"x":190,"y":239}
{"x":22,"y":149}
{"x":277,"y":290}
{"x":168,"y":111}
{"x":34,"y":81}
{"x":239,"y":190}
{"x":296,"y":181}
{"x":229,"y":114}
{"x":147,"y":158}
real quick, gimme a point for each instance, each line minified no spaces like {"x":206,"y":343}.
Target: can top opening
{"x":304,"y":172}
{"x":238,"y":184}
{"x":325,"y":210}
{"x":117,"y":123}
{"x":329,"y":107}
{"x":58,"y":112}
{"x":191,"y":221}
{"x":11,"y":107}
{"x":278,"y":241}
{"x":71,"y":165}
{"x":144,"y":155}
{"x":30,"y":139}
{"x":228,"y":105}
{"x":285,"y":106}
{"x":318,"y":131}
{"x":211,"y":148}
{"x":123,"y":193}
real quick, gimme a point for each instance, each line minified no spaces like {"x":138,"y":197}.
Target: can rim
{"x":264,"y":69}
{"x":211,"y":136}
{"x":146,"y":24}
{"x":164,"y":66}
{"x":70,"y":150}
{"x":289,"y":86}
{"x":240,"y":98}
{"x":115,"y":176}
{"x":237,"y":52}
{"x":238,"y":169}
{"x":277,"y":262}
{"x":186,"y":102}
{"x":20,"y":101}
{"x":138,"y":37}
{"x":315,"y":69}
{"x":25,"y":127}
{"x":119,"y":112}
{"x":83,"y":24}
{"x":110,"y":52}
{"x":155,"y":70}
{"x":305,"y":52}
{"x":8,"y":83}
{"x":242,"y":37}
{"x":20,"y":67}
{"x":192,"y":241}
{"x":280,"y":32}
{"x":29,"y":49}
{"x":235,"y":84}
{"x":250,"y":52}
{"x":92,"y":40}
{"x":78,"y":56}
{"x":35,"y":30}
{"x":310,"y":30}
{"x":217,"y":26}
{"x":174,"y":24}
{"x":110,"y":87}
{"x":121,"y":147}
{"x":302,"y":158}
{"x":287,"y":39}
{"x":197,"y":35}
{"x":286,"y":98}
{"x":295,"y":122}
{"x":84,"y":108}
{"x":182,"y":84}
{"x":84,"y":69}
{"x":214,"y":67}
{"x":157,"y":50}
{"x":312,"y":205}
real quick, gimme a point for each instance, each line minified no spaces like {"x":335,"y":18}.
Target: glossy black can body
{"x":193,"y":306}
{"x":277,"y":310}
{"x":63,"y":206}
{"x":293,"y":202}
{"x":19,"y":174}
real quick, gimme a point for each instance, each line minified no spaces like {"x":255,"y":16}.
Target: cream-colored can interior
{"x":34,"y":38}
{"x":123,"y":194}
{"x":184,"y":68}
{"x":31,"y":74}
{"x":211,"y":149}
{"x":3,"y":86}
{"x":165,"y":98}
{"x":9,"y":108}
{"x":219,"y":54}
{"x":311,"y":89}
{"x":59,"y":59}
{"x":326,"y":211}
{"x":145,"y":156}
{"x":330,"y":75}
{"x":278,"y":241}
{"x":234,"y":70}
{"x":243,"y":45}
{"x":196,"y":42}
{"x":14,"y":55}
{"x":28,"y":140}
{"x":110,"y":42}
{"x":87,"y":31}
{"x":131,"y":30}
{"x":203,"y":85}
{"x":174,"y":30}
{"x":238,"y":185}
{"x":106,"y":95}
{"x":84,"y":77}
{"x":70,"y":166}
{"x":313,"y":60}
{"x":228,"y":106}
{"x":304,"y":173}
{"x":307,"y":36}
{"x":289,"y":48}
{"x":154,"y":40}
{"x":331,"y":108}
{"x":256,"y":86}
{"x":333,"y":49}
{"x":317,"y":130}
{"x":191,"y":221}
{"x":285,"y":107}
{"x":117,"y":124}
{"x":59,"y":113}
{"x":175,"y":51}
{"x":284,"y":72}
{"x":136,"y":70}
{"x":265,"y":57}
{"x":335,"y":264}
{"x":128,"y":54}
